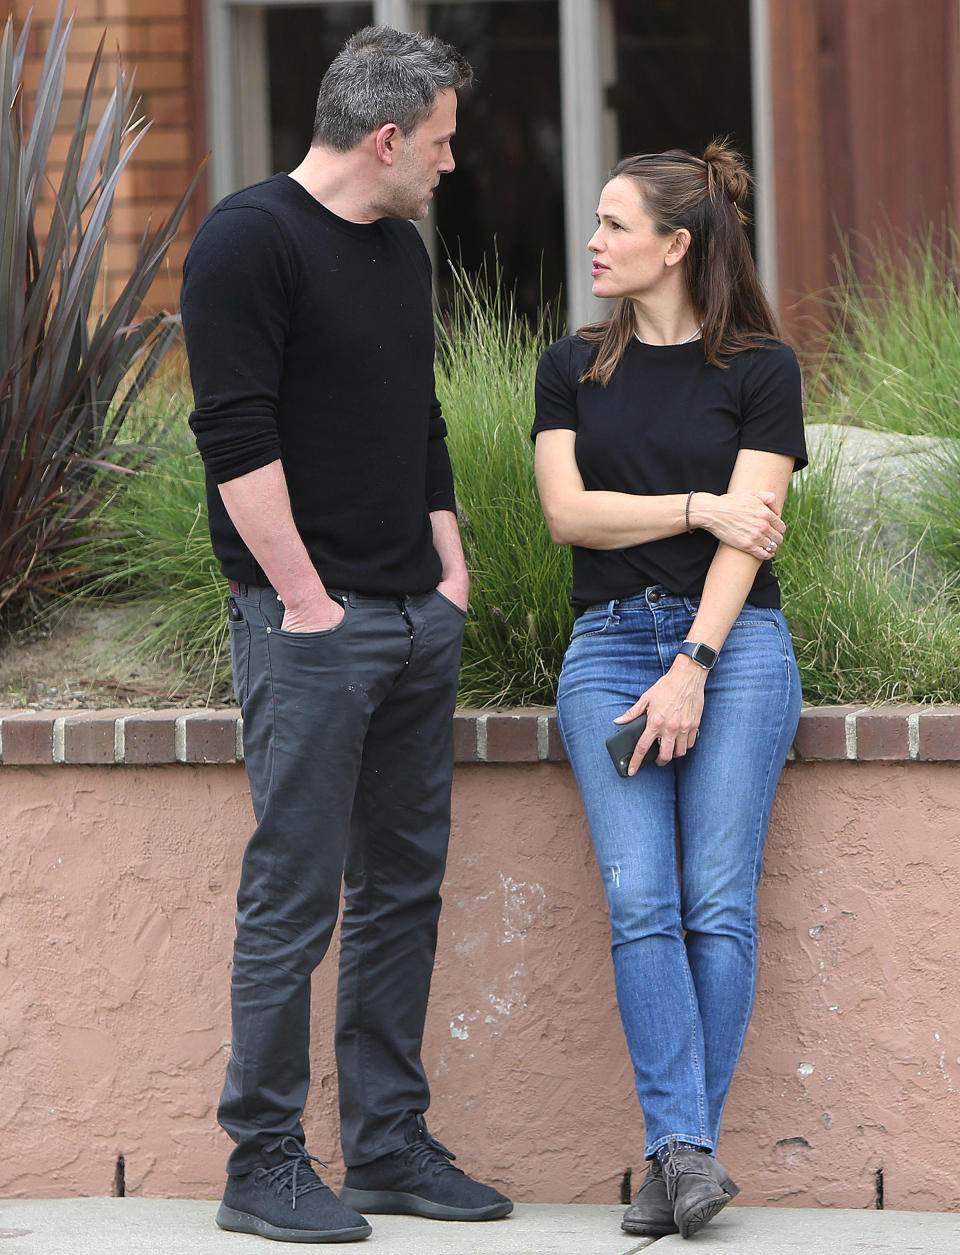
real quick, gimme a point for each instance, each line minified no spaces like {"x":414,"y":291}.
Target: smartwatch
{"x":704,"y":655}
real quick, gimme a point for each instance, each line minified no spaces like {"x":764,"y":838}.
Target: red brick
{"x":37,"y":40}
{"x":84,"y":41}
{"x":209,"y":736}
{"x":119,"y":10}
{"x":28,"y":737}
{"x":939,"y":734}
{"x":512,"y":738}
{"x":171,"y":109}
{"x":42,"y":10}
{"x":166,"y":73}
{"x":823,"y":732}
{"x":153,"y":37}
{"x":168,"y":37}
{"x":883,"y":734}
{"x":177,"y":252}
{"x":150,"y":737}
{"x":89,"y":736}
{"x":465,"y":737}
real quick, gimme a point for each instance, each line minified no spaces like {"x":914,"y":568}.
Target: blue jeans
{"x":680,"y":847}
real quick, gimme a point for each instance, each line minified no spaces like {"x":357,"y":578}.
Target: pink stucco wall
{"x":116,"y":899}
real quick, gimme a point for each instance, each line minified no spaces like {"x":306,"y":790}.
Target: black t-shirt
{"x":668,"y":422}
{"x":311,"y":340}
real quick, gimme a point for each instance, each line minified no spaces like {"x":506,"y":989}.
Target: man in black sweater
{"x":307,"y":313}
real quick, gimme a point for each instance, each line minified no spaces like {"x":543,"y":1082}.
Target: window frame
{"x":235,"y":50}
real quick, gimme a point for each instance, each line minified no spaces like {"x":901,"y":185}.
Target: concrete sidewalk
{"x":142,"y":1226}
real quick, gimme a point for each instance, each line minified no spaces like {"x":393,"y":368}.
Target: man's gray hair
{"x":383,"y":75}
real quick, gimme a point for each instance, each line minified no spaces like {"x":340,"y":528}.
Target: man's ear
{"x":386,"y":142}
{"x":678,"y":247}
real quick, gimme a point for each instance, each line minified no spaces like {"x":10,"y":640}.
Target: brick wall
{"x":159,"y":40}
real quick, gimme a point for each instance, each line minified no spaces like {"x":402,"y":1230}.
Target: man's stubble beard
{"x":403,"y":203}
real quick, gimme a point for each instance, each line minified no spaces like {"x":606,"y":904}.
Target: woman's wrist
{"x":697,"y":510}
{"x":686,"y":667}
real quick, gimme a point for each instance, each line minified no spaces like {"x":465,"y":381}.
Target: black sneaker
{"x":284,"y":1199}
{"x":420,"y":1180}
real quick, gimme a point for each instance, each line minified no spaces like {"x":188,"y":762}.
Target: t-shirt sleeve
{"x":555,"y":390}
{"x":235,"y":305}
{"x":772,"y":404}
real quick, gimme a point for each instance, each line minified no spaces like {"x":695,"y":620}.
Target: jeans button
{"x":653,"y":595}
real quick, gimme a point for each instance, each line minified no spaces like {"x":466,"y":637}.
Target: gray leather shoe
{"x":697,"y":1186}
{"x":651,"y":1212}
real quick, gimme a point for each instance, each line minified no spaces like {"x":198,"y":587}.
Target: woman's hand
{"x":674,"y":706}
{"x":747,"y":520}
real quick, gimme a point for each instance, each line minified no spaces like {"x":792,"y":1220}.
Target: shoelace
{"x":429,"y":1154}
{"x":672,"y":1168}
{"x":286,"y":1175}
{"x":655,"y":1171}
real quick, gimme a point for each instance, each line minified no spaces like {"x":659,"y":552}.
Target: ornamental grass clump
{"x":147,"y":545}
{"x":865,"y":628}
{"x":891,"y":361}
{"x":71,"y":364}
{"x":520,"y":615}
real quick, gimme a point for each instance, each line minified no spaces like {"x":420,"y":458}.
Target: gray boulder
{"x":878,"y":481}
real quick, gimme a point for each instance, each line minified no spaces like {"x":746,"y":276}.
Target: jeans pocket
{"x":757,"y":616}
{"x":306,"y":637}
{"x":452,"y":604}
{"x":591,"y":623}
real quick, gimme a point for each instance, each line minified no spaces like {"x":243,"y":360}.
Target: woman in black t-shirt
{"x":665,"y":439}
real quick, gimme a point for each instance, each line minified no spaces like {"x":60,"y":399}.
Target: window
{"x":564,"y":88}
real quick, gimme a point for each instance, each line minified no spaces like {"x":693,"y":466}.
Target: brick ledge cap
{"x":202,"y":735}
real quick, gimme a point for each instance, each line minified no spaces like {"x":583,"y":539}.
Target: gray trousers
{"x":348,"y":742}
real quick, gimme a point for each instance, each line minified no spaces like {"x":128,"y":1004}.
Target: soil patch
{"x":83,"y":658}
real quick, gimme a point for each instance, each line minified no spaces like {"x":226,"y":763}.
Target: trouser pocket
{"x":239,"y":633}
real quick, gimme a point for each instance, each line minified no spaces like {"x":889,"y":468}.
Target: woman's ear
{"x":678,"y":247}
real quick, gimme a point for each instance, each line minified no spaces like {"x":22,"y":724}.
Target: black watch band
{"x":704,"y":655}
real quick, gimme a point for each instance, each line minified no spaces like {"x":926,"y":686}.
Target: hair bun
{"x":726,"y":167}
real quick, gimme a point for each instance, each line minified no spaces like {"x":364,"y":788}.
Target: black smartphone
{"x":623,"y":742}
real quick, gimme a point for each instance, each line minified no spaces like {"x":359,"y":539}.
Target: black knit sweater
{"x":311,"y":340}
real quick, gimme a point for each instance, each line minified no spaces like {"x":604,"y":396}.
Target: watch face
{"x":703,"y":654}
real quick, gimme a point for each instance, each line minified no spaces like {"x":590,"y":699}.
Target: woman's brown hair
{"x":704,"y":195}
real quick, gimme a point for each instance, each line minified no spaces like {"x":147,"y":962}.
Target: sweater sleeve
{"x":439,"y":477}
{"x":235,"y":302}
{"x":440,"y":493}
